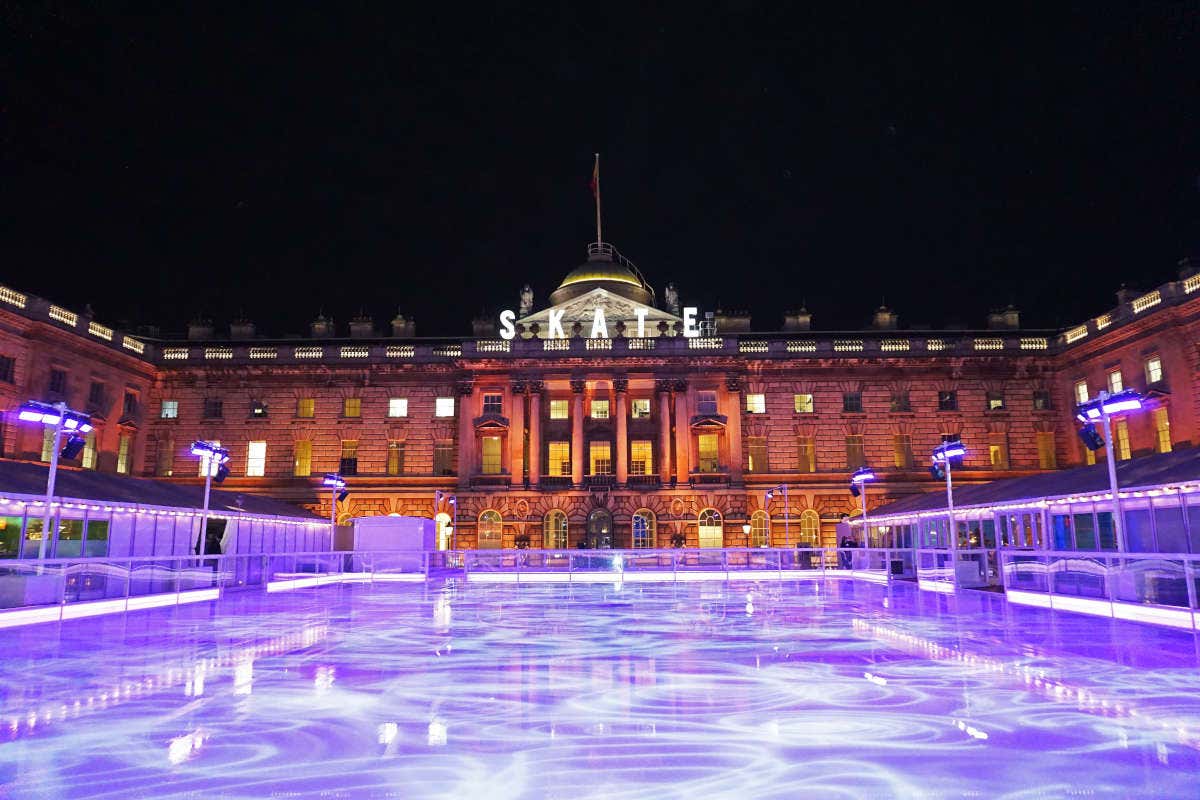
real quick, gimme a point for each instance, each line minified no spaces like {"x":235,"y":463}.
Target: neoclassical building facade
{"x":612,"y":416}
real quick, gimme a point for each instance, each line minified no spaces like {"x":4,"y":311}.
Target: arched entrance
{"x":443,"y":531}
{"x":600,"y":529}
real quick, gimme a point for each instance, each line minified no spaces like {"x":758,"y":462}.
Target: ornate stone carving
{"x":578,"y":385}
{"x":621,"y":384}
{"x":536,"y":386}
{"x":733,"y":383}
{"x":526,"y":301}
{"x":663,"y":385}
{"x":518,"y":386}
{"x":464,"y":388}
{"x":680,"y":385}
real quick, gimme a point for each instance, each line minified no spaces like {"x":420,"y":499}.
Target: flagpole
{"x":596,"y":178}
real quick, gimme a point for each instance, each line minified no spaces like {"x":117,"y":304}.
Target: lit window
{"x":258,"y":409}
{"x":710,"y":531}
{"x":1162,"y":430}
{"x":1115,"y":382}
{"x":1041,"y":400}
{"x":493,"y":404}
{"x":807,"y":461}
{"x":1121,"y":432}
{"x":490,"y":464}
{"x":902,"y":451}
{"x":756,"y":404}
{"x":641,"y":457}
{"x":47,"y":443}
{"x":397,"y":406}
{"x":640,"y":408}
{"x":855,"y":457}
{"x":995,"y":401}
{"x":810,"y":527}
{"x":1081,"y":391}
{"x":302,"y":459}
{"x":348,"y":464}
{"x":852,"y":402}
{"x":709,"y":459}
{"x":600,"y":456}
{"x":443,"y":407}
{"x":804,"y":403}
{"x":948,"y":401}
{"x":89,"y":453}
{"x":170,"y":409}
{"x":559,"y":409}
{"x":706,"y":402}
{"x":554,"y":530}
{"x":559,"y":463}
{"x":756,"y":448}
{"x":998,"y":451}
{"x":395,"y":458}
{"x":204,"y":459}
{"x":306,"y":407}
{"x":256,"y":459}
{"x":123,"y":443}
{"x":491,"y":530}
{"x":352,"y":407}
{"x":1047,"y":458}
{"x":759,"y":529}
{"x":599,"y":409}
{"x":643,"y":528}
{"x":1154,"y":370}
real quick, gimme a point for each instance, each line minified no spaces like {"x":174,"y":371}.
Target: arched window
{"x":554,"y":530}
{"x":599,"y":529}
{"x":711,"y":532}
{"x":810,"y":528}
{"x":491,"y":530}
{"x":760,"y":529}
{"x":444,"y":531}
{"x":643,"y":528}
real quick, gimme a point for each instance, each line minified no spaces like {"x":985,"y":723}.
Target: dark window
{"x":995,"y":401}
{"x":348,"y":466}
{"x":58,"y":381}
{"x":855,"y":452}
{"x":258,"y":408}
{"x":852,"y":402}
{"x":900,"y":402}
{"x":443,"y":458}
{"x":1041,"y":400}
{"x":96,"y":394}
{"x":947,"y":401}
{"x":131,"y":404}
{"x":493,"y":404}
{"x":213,"y":408}
{"x":7,"y":369}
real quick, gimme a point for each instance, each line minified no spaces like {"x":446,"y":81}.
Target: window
{"x":490,"y":455}
{"x":395,"y":458}
{"x":1154,"y":371}
{"x":443,"y":458}
{"x":810,"y":528}
{"x":1081,"y":391}
{"x":1046,"y":450}
{"x":348,"y":464}
{"x":258,"y":409}
{"x":204,"y":460}
{"x":47,"y":443}
{"x":756,"y":448}
{"x":710,"y":531}
{"x":998,"y":450}
{"x":491,"y":530}
{"x":493,"y":404}
{"x":855,"y":457}
{"x":256,"y":459}
{"x":902,"y":451}
{"x":351,"y":407}
{"x":170,"y":409}
{"x":760,"y":535}
{"x":1162,"y":430}
{"x":95,"y":394}
{"x":559,"y":409}
{"x":1121,"y":433}
{"x":640,"y":408}
{"x":123,"y":442}
{"x":1115,"y":382}
{"x":852,"y":402}
{"x":8,"y":369}
{"x":803,"y":403}
{"x":554,"y":530}
{"x":706,"y":402}
{"x":1041,"y":400}
{"x":302,"y":458}
{"x":397,"y":406}
{"x":641,"y":457}
{"x":306,"y":407}
{"x":807,"y":461}
{"x":599,"y":409}
{"x":709,"y":460}
{"x":756,"y":404}
{"x":901,"y":402}
{"x":600,"y":457}
{"x":947,"y":401}
{"x":443,"y":407}
{"x":58,"y":381}
{"x":995,"y":401}
{"x":130,"y":407}
{"x":643,"y":528}
{"x":559,"y":463}
{"x":213,"y":408}
{"x":96,"y":543}
{"x":89,"y":453}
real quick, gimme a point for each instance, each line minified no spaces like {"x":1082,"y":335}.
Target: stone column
{"x":535,"y":433}
{"x":620,"y":387}
{"x":516,"y":432}
{"x":466,"y":433}
{"x":683,"y":432}
{"x":577,"y":387}
{"x":664,"y":431}
{"x":733,"y":429}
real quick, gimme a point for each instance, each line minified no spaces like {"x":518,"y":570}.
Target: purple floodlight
{"x":1128,"y":400}
{"x":949,"y":450}
{"x":334,"y":481}
{"x":862,"y":475}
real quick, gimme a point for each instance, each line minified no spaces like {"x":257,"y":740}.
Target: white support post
{"x":47,"y":516}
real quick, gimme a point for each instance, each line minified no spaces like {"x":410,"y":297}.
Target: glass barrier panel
{"x":24,"y":583}
{"x":147,"y":576}
{"x":1079,"y":577}
{"x":1026,"y":573}
{"x":95,"y":580}
{"x":1155,"y":581}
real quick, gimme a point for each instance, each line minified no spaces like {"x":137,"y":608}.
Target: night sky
{"x":437,"y":157}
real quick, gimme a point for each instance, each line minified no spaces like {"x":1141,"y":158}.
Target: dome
{"x":604,"y":269}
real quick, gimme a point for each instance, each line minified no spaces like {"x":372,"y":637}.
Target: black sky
{"x":292,"y":158}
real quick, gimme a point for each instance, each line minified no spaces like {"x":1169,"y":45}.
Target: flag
{"x":595,"y":183}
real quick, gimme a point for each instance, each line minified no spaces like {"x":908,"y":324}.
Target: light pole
{"x":213,"y":460}
{"x":746,"y":526}
{"x":1102,"y":408}
{"x":787,"y":537}
{"x":337,"y":491}
{"x":451,"y":500}
{"x":858,"y":487}
{"x":61,"y":419}
{"x":941,"y":467}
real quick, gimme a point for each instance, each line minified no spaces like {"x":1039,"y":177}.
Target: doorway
{"x":599,"y":529}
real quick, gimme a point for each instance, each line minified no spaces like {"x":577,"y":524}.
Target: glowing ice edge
{"x":59,"y":613}
{"x":1156,"y":615}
